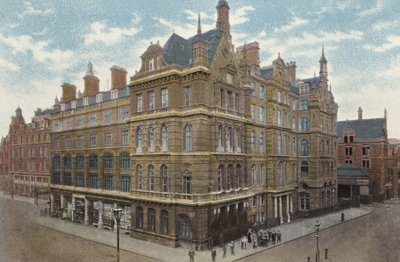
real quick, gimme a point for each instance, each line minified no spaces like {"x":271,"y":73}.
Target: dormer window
{"x":151,"y":64}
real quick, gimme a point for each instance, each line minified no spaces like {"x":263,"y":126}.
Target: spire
{"x":198,"y":25}
{"x":90,"y":69}
{"x":323,"y":59}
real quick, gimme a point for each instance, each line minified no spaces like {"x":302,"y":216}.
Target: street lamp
{"x":117,"y":214}
{"x":317,"y":257}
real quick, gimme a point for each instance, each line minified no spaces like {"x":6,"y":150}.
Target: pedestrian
{"x":279,"y":236}
{"x":191,"y":254}
{"x":270,"y":234}
{"x":244,"y":242}
{"x":273,"y":237}
{"x":213,"y":254}
{"x":254,"y":241}
{"x":232,"y":246}
{"x":224,"y":251}
{"x":249,"y":236}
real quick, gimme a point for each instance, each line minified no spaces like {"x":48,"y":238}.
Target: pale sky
{"x":46,"y":43}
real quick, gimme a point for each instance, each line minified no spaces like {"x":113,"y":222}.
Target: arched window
{"x":220,"y":177}
{"x":56,"y":162}
{"x":239,"y":177}
{"x":229,"y":139}
{"x":263,"y":175}
{"x":164,"y":178}
{"x":238,"y":140}
{"x":164,"y":222}
{"x":188,"y":138}
{"x":253,"y":175}
{"x":108,"y":161}
{"x":220,"y":136}
{"x":80,"y":162}
{"x":304,"y":168}
{"x":185,"y":227}
{"x":262,"y":144}
{"x":139,"y":140}
{"x":67,"y":162}
{"x":139,"y":176}
{"x":164,"y":138}
{"x":280,"y":174}
{"x":253,"y":141}
{"x":125,"y":161}
{"x":294,"y":146}
{"x":93,"y":163}
{"x":152,"y":139}
{"x":139,"y":218}
{"x":230,"y":177}
{"x":304,"y":201}
{"x":151,"y":177}
{"x":151,"y":220}
{"x":305,"y":150}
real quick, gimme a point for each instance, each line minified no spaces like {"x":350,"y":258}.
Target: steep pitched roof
{"x":366,"y":129}
{"x":313,"y":81}
{"x":178,"y":50}
{"x":349,"y":170}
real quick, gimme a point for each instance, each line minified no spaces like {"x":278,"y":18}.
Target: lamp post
{"x":117,"y":214}
{"x":317,"y":257}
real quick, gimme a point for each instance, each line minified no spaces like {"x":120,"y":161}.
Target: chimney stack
{"x":68,"y":93}
{"x":251,"y":52}
{"x":360,"y":112}
{"x":118,"y":77}
{"x":91,"y":82}
{"x":291,"y":72}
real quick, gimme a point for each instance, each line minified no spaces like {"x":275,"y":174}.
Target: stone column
{"x":62,"y":201}
{"x":288,"y":208}
{"x":51,"y":203}
{"x":87,"y":204}
{"x":291,"y":204}
{"x":280,"y":210}
{"x":275,"y":207}
{"x":100,"y":223}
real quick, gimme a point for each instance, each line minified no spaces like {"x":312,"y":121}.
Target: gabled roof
{"x":365,"y":129}
{"x":178,"y":50}
{"x":349,"y":171}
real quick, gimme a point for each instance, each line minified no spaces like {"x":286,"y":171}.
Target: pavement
{"x":290,"y":231}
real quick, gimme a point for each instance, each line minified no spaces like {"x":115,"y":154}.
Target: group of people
{"x":254,"y":237}
{"x":261,"y":238}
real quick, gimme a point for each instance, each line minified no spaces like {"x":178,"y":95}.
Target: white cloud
{"x":32,"y":11}
{"x":58,"y":59}
{"x":8,"y":65}
{"x":191,"y":15}
{"x":296,"y":22}
{"x":185,"y":30}
{"x":113,"y":35}
{"x":391,"y":71}
{"x":324,"y":37}
{"x":240,"y":15}
{"x":392,"y":41}
{"x":377,"y":8}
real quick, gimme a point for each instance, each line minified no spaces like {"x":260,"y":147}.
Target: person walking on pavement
{"x":191,"y":254}
{"x":224,"y":251}
{"x":279,"y":236}
{"x":232,"y":246}
{"x":213,"y":254}
{"x":244,"y":242}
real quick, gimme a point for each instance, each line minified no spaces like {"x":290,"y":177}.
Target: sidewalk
{"x":290,"y":232}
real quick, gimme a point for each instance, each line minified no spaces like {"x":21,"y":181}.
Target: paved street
{"x":22,"y":240}
{"x":372,"y":238}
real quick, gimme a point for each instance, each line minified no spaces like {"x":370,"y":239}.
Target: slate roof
{"x":106,"y":96}
{"x":267,"y":72}
{"x":178,"y":50}
{"x":349,"y":170}
{"x":366,"y":129}
{"x":124,"y":92}
{"x":313,"y":81}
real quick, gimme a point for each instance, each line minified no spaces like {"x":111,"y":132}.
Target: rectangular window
{"x":164,"y":98}
{"x":80,"y":162}
{"x":262,"y":117}
{"x":304,"y":124}
{"x":80,"y":122}
{"x":124,"y":113}
{"x":67,"y":142}
{"x":108,"y":182}
{"x":93,"y":119}
{"x":187,"y":184}
{"x":348,"y":151}
{"x":139,"y":103}
{"x":347,"y":161}
{"x":67,"y":179}
{"x":237,"y":103}
{"x":56,"y":178}
{"x":80,"y":141}
{"x":351,"y":139}
{"x":262,"y":200}
{"x":304,"y":104}
{"x":93,"y":181}
{"x":365,"y":150}
{"x":93,"y":139}
{"x":253,"y":88}
{"x":262,"y":92}
{"x":108,"y":162}
{"x":80,"y":180}
{"x":230,"y":100}
{"x":107,"y":117}
{"x":253,"y":113}
{"x":108,"y":139}
{"x":188,"y":96}
{"x":152,"y":101}
{"x":366,"y":163}
{"x":125,"y":183}
{"x":254,"y":201}
{"x":125,"y":137}
{"x":345,"y":139}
